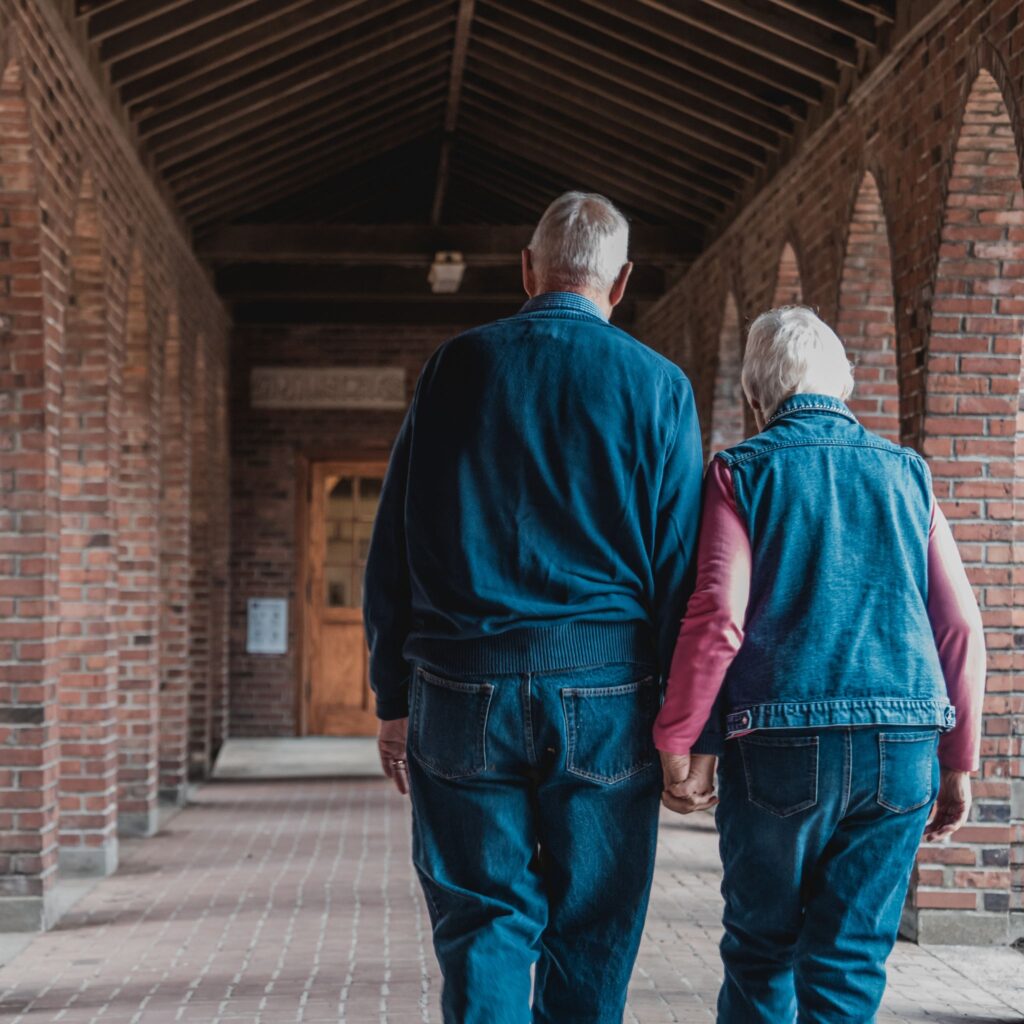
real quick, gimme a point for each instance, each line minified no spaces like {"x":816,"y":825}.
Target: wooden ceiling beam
{"x":248,"y":51}
{"x":850,"y":21}
{"x":531,"y":191}
{"x":600,"y":178}
{"x":630,"y":131}
{"x":651,"y":103}
{"x":320,"y":117}
{"x":807,"y":33}
{"x":463,"y":26}
{"x":643,"y":167}
{"x":238,"y":114}
{"x":437,"y":309}
{"x":694,"y":207}
{"x":405,"y":244}
{"x":735,"y":34}
{"x":193,"y":18}
{"x":611,"y":27}
{"x":379,"y":114}
{"x":880,"y":9}
{"x":730,"y":57}
{"x":109,"y":19}
{"x":234,"y":200}
{"x":299,"y":281}
{"x":647,"y":74}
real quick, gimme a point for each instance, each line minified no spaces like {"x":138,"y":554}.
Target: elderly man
{"x":524,"y":588}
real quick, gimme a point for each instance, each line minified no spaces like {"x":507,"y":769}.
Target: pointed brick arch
{"x":89,"y":459}
{"x":973,"y":441}
{"x":867,"y":315}
{"x":727,"y":410}
{"x":788,"y":286}
{"x":29,"y":481}
{"x":175,"y":567}
{"x":139,"y":561}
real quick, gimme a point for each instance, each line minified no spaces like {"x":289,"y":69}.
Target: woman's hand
{"x":689,"y":782}
{"x":951,"y":807}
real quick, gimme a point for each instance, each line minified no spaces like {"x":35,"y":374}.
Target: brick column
{"x":175,"y":491}
{"x":727,"y":410}
{"x":220,"y":539}
{"x":29,"y":389}
{"x":971,"y":439}
{"x":88,"y":563}
{"x":139,"y":565}
{"x":867,"y":315}
{"x":200,"y":525}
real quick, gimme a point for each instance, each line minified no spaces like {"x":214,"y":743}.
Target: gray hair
{"x":790,"y":350}
{"x":581,"y":241}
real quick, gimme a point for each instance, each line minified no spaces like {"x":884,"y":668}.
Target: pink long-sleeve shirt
{"x":712,"y":630}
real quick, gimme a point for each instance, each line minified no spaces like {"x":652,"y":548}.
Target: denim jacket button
{"x":745,"y":720}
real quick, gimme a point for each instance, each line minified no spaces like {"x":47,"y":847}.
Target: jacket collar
{"x":811,"y":403}
{"x":569,"y":301}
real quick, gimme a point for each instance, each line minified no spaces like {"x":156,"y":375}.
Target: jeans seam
{"x":526,"y":695}
{"x":847,"y":771}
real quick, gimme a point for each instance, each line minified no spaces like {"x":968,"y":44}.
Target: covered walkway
{"x":268,"y":902}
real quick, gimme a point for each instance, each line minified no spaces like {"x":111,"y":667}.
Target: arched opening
{"x":727,"y":415}
{"x":139,"y":564}
{"x":867,"y":316}
{"x":200,"y":689}
{"x":29,"y":390}
{"x":175,"y":489}
{"x":88,"y":558}
{"x":788,"y":289}
{"x":971,"y":432}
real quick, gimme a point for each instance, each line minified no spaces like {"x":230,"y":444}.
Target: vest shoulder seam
{"x":908,"y":453}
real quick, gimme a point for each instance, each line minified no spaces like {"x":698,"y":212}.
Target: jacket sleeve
{"x":677,"y":526}
{"x":387,"y":597}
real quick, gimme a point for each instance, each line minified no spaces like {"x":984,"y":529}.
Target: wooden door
{"x":343,"y":499}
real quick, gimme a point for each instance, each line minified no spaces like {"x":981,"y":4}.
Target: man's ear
{"x":529,"y":276}
{"x":619,"y":288}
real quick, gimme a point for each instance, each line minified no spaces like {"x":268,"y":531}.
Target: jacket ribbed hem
{"x":821,"y":714}
{"x":543,"y":649}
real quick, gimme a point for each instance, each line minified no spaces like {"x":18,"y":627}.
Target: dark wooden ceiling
{"x":473,"y":112}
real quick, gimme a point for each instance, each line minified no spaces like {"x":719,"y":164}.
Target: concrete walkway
{"x":295,"y":901}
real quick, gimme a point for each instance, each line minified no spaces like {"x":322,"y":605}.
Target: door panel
{"x":343,"y":499}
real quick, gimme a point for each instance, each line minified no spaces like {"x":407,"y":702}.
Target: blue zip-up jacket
{"x":837,"y":629}
{"x":541,"y":505}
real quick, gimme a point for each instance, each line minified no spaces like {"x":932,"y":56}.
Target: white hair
{"x":790,"y":350}
{"x":581,"y":241}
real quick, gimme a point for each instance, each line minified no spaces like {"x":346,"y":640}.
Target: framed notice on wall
{"x":267,"y":626}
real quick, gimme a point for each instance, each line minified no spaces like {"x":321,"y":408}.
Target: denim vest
{"x":837,"y":630}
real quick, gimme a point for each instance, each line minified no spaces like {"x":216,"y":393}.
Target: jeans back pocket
{"x":608,"y":729}
{"x":448,"y":733}
{"x":781,"y":772}
{"x":908,"y":769}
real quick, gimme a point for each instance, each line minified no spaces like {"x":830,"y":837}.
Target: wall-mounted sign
{"x":267,"y":626}
{"x":327,"y":387}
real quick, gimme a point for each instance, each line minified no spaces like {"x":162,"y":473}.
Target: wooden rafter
{"x":463,"y":27}
{"x":250,"y":50}
{"x":850,"y":21}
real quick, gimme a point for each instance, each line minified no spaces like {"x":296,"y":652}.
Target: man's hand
{"x":951,"y":807}
{"x":391,"y":746}
{"x":689,"y":782}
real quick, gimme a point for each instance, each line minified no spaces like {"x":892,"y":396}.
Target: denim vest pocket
{"x":907,"y":769}
{"x":608,"y":730}
{"x":781,"y":772}
{"x":448,"y":733}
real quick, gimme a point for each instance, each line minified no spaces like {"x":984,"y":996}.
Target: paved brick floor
{"x":295,"y":901}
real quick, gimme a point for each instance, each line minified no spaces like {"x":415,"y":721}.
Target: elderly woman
{"x":833,"y":655}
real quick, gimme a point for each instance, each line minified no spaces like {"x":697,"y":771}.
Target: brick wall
{"x":266,"y":448}
{"x":93,"y":272}
{"x":954,"y":228}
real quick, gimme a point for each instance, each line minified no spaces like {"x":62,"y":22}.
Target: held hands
{"x":689,"y":782}
{"x":951,"y":807}
{"x":391,"y":747}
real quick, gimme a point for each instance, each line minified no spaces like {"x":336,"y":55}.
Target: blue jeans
{"x":535,"y":811}
{"x":818,"y":833}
